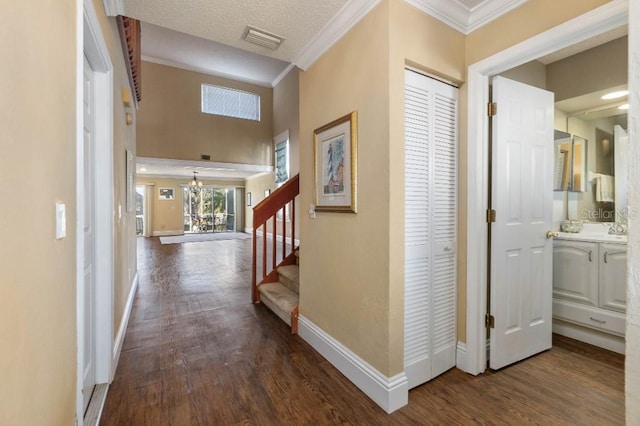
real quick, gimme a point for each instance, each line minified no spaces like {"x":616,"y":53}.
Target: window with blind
{"x":228,"y":102}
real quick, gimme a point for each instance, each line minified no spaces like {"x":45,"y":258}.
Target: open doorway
{"x":597,"y":22}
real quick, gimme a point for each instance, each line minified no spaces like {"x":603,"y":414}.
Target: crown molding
{"x":350,"y":14}
{"x":113,"y":7}
{"x":463,"y":19}
{"x":451,"y":13}
{"x":490,"y":10}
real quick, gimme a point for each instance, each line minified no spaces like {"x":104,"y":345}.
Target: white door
{"x":89,"y":375}
{"x":522,"y":196}
{"x":430,"y":228}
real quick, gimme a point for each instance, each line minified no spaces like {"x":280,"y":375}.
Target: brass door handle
{"x":551,"y":234}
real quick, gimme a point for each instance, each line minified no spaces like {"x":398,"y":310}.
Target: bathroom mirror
{"x":570,"y":156}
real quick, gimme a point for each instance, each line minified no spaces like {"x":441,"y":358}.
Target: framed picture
{"x":130,"y":169}
{"x":248,"y":198}
{"x":335,"y":147}
{"x":165,"y":194}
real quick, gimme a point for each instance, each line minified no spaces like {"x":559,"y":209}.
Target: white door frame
{"x":90,"y":42}
{"x":597,"y":21}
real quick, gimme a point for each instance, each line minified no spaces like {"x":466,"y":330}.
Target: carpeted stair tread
{"x":280,"y":299}
{"x":290,"y":277}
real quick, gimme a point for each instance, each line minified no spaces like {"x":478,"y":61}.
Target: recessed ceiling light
{"x":616,"y":95}
{"x":625,"y":106}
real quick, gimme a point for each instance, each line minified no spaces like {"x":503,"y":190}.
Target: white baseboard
{"x":122,"y":329}
{"x":461,"y":357}
{"x":590,"y":336}
{"x":270,"y":236}
{"x":167,"y":233}
{"x":390,"y":393}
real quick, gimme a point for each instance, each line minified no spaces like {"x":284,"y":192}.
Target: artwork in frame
{"x":335,"y":148}
{"x":165,"y":194}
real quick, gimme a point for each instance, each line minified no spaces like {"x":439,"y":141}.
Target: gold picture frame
{"x":335,"y":153}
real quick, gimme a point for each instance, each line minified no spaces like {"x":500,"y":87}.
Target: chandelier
{"x":195,"y":183}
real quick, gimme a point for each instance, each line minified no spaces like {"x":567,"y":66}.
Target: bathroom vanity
{"x":589,"y":286}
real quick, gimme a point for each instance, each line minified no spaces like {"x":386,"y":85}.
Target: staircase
{"x":282,"y":296}
{"x":278,"y":288}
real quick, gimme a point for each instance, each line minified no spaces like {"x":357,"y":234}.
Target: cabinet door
{"x":613,"y":276}
{"x":575,"y":271}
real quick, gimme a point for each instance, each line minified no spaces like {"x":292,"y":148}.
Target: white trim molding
{"x":167,"y":233}
{"x":122,"y":329}
{"x":350,"y":14}
{"x":461,"y":356}
{"x":605,"y":18}
{"x":462,"y":18}
{"x":593,"y":337}
{"x":390,"y":393}
{"x":113,"y":7}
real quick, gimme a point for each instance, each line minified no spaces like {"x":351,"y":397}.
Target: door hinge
{"x":492,"y":109}
{"x":491,"y":215}
{"x":489,"y":321}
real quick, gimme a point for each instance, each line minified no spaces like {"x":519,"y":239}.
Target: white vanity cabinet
{"x":575,"y":271}
{"x":589,"y":287}
{"x":613,"y":277}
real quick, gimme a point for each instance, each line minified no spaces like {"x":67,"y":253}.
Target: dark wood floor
{"x":197,"y":352}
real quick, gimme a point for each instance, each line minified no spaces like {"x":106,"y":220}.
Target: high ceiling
{"x":206,"y":36}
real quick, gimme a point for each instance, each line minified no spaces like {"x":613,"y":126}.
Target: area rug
{"x":198,"y":238}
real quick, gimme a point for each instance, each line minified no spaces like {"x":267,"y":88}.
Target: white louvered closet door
{"x":430,"y":227}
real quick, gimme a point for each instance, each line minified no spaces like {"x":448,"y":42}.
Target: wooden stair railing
{"x":264,"y":212}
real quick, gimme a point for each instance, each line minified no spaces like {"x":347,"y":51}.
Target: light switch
{"x":61,"y":221}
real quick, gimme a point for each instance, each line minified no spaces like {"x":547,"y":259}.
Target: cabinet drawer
{"x":599,"y":319}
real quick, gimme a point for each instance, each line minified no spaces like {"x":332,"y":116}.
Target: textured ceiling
{"x":224,"y":21}
{"x":181,"y":50}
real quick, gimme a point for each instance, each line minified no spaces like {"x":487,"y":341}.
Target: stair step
{"x":280,"y":299}
{"x":290,"y":277}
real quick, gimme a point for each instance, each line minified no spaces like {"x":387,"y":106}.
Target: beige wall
{"x":344,"y":270}
{"x":522,"y":23}
{"x":167,"y":214}
{"x":171,"y":124}
{"x":533,"y":73}
{"x":600,"y":68}
{"x":256,"y":186}
{"x":38,"y":272}
{"x":37,"y":169}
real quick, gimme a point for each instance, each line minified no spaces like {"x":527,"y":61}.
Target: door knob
{"x":551,"y":234}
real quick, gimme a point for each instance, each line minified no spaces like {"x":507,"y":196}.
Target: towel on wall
{"x":605,"y":189}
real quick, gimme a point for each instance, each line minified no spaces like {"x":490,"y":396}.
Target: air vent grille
{"x":262,"y":38}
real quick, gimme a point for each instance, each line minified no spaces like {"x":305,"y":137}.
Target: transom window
{"x":228,"y":102}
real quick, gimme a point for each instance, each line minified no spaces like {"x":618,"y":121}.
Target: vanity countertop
{"x":592,"y":237}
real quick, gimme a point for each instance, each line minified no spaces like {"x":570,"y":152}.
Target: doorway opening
{"x":599,"y":21}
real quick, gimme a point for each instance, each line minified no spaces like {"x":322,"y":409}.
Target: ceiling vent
{"x":262,"y":38}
